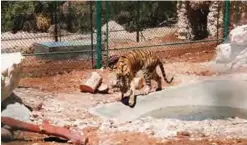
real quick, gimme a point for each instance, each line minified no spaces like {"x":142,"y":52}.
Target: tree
{"x":12,"y":10}
{"x":75,"y":15}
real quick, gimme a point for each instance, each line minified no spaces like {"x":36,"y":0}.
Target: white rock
{"x":223,"y":53}
{"x":112,"y":26}
{"x":10,"y":73}
{"x":240,"y":61}
{"x":238,"y":35}
{"x":17,"y":111}
{"x":234,"y":54}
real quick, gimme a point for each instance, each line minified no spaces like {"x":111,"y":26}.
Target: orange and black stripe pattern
{"x":128,"y":65}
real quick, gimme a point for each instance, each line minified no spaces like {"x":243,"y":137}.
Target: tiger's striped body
{"x":129,"y":64}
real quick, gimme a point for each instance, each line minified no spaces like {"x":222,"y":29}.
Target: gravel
{"x":71,"y":111}
{"x":169,"y":128}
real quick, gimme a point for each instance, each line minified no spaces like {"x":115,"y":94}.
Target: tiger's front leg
{"x":132,"y":95}
{"x":122,"y":95}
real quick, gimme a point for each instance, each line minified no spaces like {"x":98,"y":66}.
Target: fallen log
{"x":92,"y":83}
{"x":45,"y":128}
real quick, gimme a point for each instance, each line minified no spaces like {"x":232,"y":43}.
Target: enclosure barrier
{"x":143,"y":28}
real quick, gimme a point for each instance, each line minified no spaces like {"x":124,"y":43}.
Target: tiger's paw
{"x":147,"y":90}
{"x":158,"y":89}
{"x":131,"y":102}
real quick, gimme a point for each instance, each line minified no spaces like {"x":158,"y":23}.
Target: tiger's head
{"x":122,"y":73}
{"x":122,"y":82}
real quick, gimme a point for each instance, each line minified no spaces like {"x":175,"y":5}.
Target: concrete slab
{"x":215,"y":93}
{"x":80,"y":49}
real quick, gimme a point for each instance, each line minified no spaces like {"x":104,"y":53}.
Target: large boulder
{"x":238,"y":36}
{"x":233,"y":54}
{"x":223,"y":53}
{"x":112,"y":26}
{"x":117,"y":32}
{"x":240,"y":60}
{"x":227,"y":52}
{"x":10,"y":73}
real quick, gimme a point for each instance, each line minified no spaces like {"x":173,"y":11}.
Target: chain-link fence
{"x":57,"y":36}
{"x":183,"y":26}
{"x":53,"y":36}
{"x":238,"y":15}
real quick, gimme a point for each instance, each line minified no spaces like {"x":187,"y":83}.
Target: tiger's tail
{"x":163,"y":73}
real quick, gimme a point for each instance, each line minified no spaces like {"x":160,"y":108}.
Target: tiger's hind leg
{"x":147,"y":78}
{"x":157,"y":78}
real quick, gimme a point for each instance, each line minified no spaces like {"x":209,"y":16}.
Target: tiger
{"x":127,"y":67}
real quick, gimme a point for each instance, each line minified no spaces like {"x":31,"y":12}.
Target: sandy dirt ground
{"x":50,"y":75}
{"x":173,"y":66}
{"x":123,"y":138}
{"x":54,"y":87}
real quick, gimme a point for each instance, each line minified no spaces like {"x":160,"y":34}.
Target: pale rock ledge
{"x":10,"y":73}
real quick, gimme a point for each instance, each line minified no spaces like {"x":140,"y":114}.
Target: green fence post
{"x":98,"y":27}
{"x":226,"y":19}
{"x":91,"y":27}
{"x":107,"y":31}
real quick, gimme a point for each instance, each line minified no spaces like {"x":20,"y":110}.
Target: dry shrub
{"x":43,"y":22}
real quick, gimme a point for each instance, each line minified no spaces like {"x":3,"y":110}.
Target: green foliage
{"x":77,"y":16}
{"x":140,"y":15}
{"x":16,"y":13}
{"x":10,"y":9}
